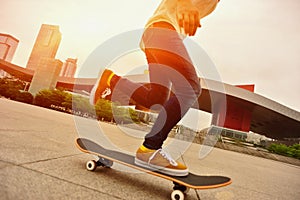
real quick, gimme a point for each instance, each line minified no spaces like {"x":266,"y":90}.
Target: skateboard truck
{"x":179,"y":191}
{"x":101,"y":162}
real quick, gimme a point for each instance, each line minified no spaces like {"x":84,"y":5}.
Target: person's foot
{"x":161,"y":161}
{"x":102,"y":88}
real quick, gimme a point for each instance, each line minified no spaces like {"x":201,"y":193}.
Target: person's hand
{"x":188,"y":16}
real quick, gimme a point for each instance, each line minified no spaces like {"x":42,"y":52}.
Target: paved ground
{"x":38,"y":160}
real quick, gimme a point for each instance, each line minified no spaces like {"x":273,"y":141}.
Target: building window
{"x":47,"y":38}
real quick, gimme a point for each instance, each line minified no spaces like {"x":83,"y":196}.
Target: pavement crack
{"x":48,"y":159}
{"x":68,"y":181}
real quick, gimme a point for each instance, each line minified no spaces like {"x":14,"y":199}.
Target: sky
{"x":249,"y":41}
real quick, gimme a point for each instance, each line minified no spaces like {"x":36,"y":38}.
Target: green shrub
{"x":25,"y":97}
{"x":43,"y":98}
{"x":123,"y":115}
{"x":10,"y":88}
{"x":103,"y":110}
{"x":282,"y":149}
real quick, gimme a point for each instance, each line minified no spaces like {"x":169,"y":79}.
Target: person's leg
{"x":143,"y":94}
{"x":185,"y":89}
{"x":168,"y":61}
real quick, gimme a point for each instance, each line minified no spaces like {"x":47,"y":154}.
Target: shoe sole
{"x":93,"y":91}
{"x":171,"y":172}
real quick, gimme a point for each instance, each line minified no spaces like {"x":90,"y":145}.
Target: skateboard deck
{"x":107,"y":157}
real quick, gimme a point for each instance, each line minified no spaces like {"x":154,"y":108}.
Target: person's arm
{"x":188,"y":16}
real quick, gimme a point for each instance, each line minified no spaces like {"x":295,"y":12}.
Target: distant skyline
{"x":250,"y":41}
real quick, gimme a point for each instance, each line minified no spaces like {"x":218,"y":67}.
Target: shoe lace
{"x":165,"y":155}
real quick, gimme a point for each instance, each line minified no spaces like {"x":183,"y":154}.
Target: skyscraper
{"x":45,"y":76}
{"x":69,"y":68}
{"x":8,"y":46}
{"x":46,"y":45}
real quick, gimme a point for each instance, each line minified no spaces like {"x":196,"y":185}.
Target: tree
{"x":10,"y":88}
{"x":43,"y":98}
{"x":68,"y":102}
{"x":82,"y":105}
{"x":103,"y":110}
{"x":123,"y":115}
{"x":79,"y":105}
{"x":58,"y":97}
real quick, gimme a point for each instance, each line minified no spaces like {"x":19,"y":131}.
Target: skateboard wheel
{"x":91,"y":165}
{"x":177,"y":195}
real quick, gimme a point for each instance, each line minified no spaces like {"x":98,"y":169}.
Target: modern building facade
{"x":69,"y":68}
{"x":46,"y":75}
{"x":46,"y":45}
{"x":237,"y":117}
{"x":263,"y":116}
{"x":8,"y":46}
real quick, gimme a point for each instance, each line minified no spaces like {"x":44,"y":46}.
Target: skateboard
{"x":181,"y":184}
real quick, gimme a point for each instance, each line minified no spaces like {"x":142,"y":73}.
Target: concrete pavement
{"x":38,"y":160}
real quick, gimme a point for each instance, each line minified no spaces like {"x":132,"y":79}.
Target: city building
{"x":246,"y":111}
{"x":8,"y":46}
{"x":69,"y":68}
{"x":237,"y":116}
{"x":46,"y":75}
{"x":45,"y":46}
